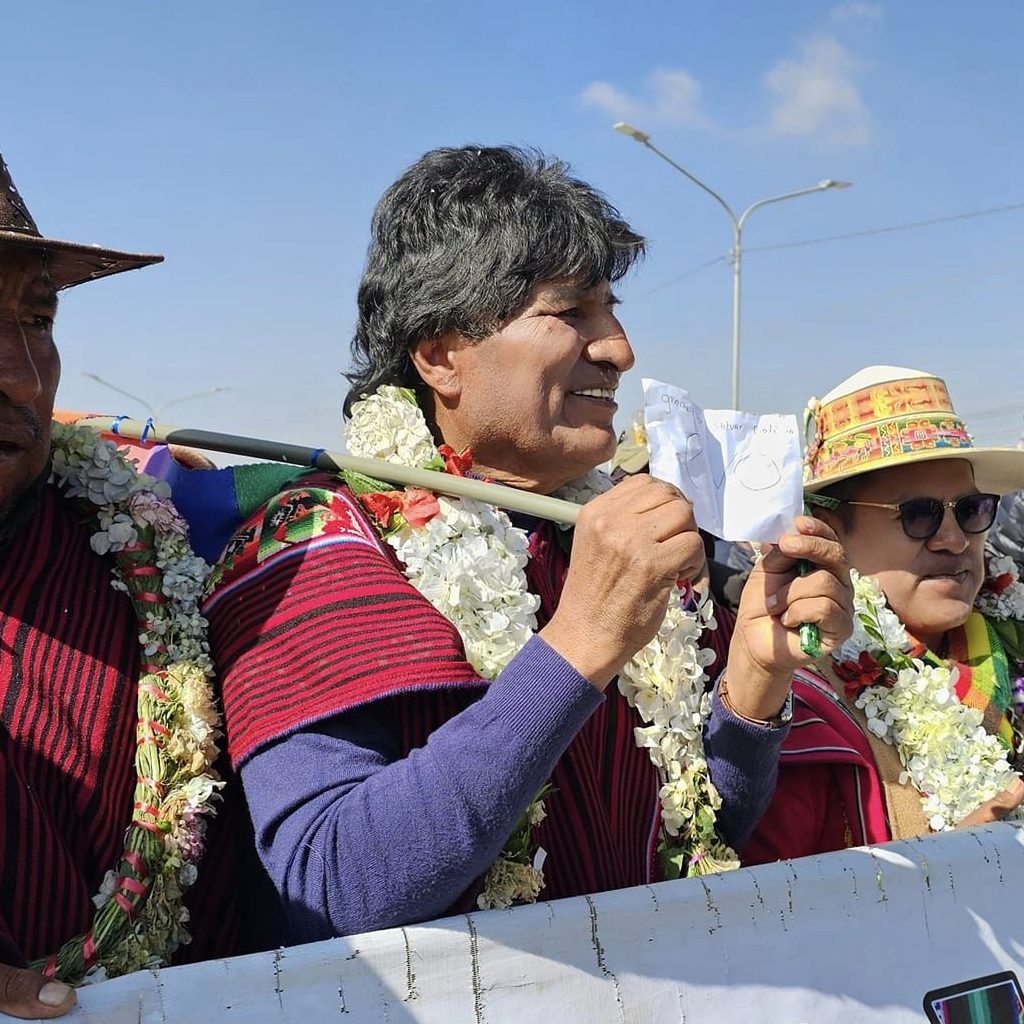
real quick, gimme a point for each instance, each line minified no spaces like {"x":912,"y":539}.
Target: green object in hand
{"x":810,"y":638}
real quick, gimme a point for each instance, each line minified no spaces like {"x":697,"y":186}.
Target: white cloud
{"x":856,"y":10}
{"x":610,"y":98}
{"x":816,"y":95}
{"x":671,"y":96}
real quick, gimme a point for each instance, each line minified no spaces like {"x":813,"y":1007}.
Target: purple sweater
{"x":424,"y":827}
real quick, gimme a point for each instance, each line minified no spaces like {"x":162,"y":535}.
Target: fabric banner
{"x":859,"y":936}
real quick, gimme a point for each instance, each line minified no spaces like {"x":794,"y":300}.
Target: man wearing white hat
{"x":912,"y":726}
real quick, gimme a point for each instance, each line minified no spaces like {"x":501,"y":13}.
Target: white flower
{"x":468,"y":562}
{"x":509,"y":882}
{"x":200,"y":789}
{"x":1008,"y":603}
{"x":872,"y":612}
{"x":946,"y":752}
{"x":585,"y":488}
{"x":389,"y":425}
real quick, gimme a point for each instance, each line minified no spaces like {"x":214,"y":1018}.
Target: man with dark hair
{"x":459,"y":242}
{"x":416,"y":688}
{"x":93,"y":856}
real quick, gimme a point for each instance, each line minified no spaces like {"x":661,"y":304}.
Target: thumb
{"x":30,"y":996}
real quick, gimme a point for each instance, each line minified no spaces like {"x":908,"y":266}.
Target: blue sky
{"x":248,"y":141}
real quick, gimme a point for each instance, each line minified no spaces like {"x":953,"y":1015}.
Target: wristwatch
{"x":779,"y":721}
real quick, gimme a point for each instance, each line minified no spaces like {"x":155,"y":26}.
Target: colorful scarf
{"x":983,"y":680}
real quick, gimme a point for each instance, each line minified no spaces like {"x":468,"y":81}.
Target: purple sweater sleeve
{"x":743,"y":762}
{"x":358,"y":838}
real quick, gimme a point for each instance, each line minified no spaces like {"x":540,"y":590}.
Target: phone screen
{"x":994,"y":999}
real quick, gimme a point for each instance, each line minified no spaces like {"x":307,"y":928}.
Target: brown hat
{"x":69,"y":263}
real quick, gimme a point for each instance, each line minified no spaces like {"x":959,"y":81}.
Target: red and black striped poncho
{"x":311,"y":616}
{"x":69,"y":658}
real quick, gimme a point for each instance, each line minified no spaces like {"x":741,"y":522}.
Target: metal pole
{"x":737,"y":232}
{"x":737,"y":270}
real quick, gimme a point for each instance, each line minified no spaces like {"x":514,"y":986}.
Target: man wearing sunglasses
{"x":881,"y":746}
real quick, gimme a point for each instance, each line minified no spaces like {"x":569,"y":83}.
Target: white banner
{"x":858,"y":937}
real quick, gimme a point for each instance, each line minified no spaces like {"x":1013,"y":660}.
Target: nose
{"x":950,"y":536}
{"x":610,"y":345}
{"x":20,"y":383}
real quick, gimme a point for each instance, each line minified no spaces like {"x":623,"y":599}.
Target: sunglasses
{"x":921,"y":518}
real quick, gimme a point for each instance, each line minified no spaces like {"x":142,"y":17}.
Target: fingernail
{"x":53,"y":993}
{"x":771,"y":601}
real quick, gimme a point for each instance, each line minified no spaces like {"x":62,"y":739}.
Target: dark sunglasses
{"x":921,"y":518}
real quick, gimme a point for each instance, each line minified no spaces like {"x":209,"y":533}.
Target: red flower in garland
{"x":416,"y":507}
{"x":860,"y":674}
{"x":1000,"y":584}
{"x":454,"y":463}
{"x":382,"y":505}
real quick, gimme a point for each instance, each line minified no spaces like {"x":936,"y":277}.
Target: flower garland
{"x":140,"y":919}
{"x":469,"y":561}
{"x":911,"y":703}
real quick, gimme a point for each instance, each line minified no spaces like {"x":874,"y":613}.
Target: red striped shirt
{"x":69,"y":659}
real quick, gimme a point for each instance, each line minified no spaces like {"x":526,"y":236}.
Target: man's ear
{"x":437,"y":362}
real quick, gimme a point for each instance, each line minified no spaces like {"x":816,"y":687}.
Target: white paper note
{"x":741,"y":471}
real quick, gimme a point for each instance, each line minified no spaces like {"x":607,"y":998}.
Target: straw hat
{"x":69,"y":263}
{"x":891,"y":416}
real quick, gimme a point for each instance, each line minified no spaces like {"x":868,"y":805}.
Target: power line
{"x":1014,"y":411}
{"x":681,"y":277}
{"x":909,"y":226}
{"x":889,"y":229}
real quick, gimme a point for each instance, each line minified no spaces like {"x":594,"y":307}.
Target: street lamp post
{"x":738,"y":223}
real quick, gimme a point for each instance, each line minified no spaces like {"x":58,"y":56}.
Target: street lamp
{"x":155,"y":413}
{"x":738,"y":223}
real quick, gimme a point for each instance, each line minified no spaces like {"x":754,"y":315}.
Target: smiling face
{"x":29,"y":372}
{"x":930,"y":584}
{"x":535,"y":400}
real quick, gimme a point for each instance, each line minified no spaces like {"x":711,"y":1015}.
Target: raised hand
{"x":630,"y":547}
{"x":765,"y":646}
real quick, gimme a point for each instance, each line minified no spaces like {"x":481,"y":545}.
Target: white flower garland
{"x":947,"y":754}
{"x":140,"y":919}
{"x":469,"y":561}
{"x":1002,"y":596}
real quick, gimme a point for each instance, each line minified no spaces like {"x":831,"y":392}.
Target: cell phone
{"x":994,"y":999}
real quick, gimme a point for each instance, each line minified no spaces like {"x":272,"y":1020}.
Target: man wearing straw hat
{"x":80,"y":537}
{"x":417,"y":689}
{"x":913,"y":725}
